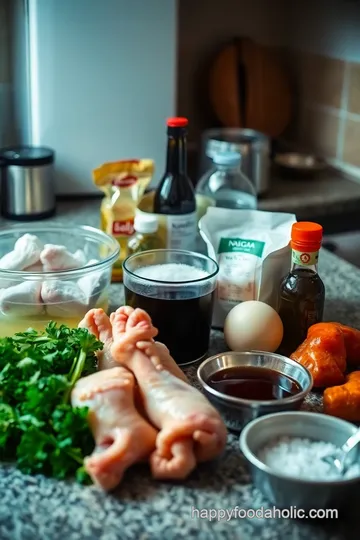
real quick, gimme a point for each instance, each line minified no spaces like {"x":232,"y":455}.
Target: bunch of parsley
{"x":38,"y":426}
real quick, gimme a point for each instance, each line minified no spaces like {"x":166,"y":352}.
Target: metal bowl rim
{"x":255,"y":136}
{"x":256,"y":462}
{"x":249,"y":402}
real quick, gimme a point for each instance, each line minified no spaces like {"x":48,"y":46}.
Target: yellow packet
{"x":123,"y":183}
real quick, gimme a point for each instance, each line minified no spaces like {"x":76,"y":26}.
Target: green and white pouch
{"x":252,"y":248}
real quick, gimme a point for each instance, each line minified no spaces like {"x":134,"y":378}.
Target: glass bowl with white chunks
{"x":52,"y":273}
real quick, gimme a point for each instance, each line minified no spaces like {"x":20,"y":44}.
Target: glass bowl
{"x":33,"y":298}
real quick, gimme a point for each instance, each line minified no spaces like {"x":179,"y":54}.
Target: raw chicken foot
{"x":125,"y":320}
{"x":98,"y":323}
{"x":191,"y":429}
{"x":123,"y":437}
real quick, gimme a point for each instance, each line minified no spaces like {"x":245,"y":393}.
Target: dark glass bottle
{"x":175,"y":195}
{"x":302,"y":291}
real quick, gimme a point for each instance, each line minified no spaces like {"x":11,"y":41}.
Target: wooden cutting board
{"x":248,"y":88}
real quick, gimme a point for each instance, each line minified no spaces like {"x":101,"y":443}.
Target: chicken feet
{"x":98,"y":323}
{"x":123,"y":437}
{"x":191,"y":429}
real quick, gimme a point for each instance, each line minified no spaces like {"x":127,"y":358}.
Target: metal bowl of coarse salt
{"x":284,"y":450}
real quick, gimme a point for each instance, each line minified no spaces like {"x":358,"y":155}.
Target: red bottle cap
{"x":306,"y":236}
{"x":177,"y":121}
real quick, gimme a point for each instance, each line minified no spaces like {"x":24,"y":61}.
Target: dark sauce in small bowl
{"x":253,"y":383}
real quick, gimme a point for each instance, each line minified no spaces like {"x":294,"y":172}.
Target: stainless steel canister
{"x":253,"y":146}
{"x":27,"y":183}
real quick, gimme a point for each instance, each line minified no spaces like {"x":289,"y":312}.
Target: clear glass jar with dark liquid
{"x":302,"y":291}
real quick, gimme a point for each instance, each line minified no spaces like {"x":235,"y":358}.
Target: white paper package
{"x":252,"y":248}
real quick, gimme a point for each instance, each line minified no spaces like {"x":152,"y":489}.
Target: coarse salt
{"x":171,"y":272}
{"x":302,"y":458}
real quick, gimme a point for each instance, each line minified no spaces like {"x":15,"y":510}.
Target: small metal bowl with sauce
{"x":246,"y":385}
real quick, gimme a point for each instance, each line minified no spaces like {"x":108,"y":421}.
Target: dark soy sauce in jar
{"x":249,"y":382}
{"x":302,"y":299}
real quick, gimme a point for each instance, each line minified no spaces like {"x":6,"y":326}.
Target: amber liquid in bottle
{"x":302,"y":297}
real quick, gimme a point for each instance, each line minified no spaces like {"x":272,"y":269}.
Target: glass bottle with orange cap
{"x":175,"y":195}
{"x":302,"y":291}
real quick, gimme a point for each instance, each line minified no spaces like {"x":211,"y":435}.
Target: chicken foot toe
{"x":98,"y":323}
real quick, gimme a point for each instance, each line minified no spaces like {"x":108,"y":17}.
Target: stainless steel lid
{"x":26,"y":156}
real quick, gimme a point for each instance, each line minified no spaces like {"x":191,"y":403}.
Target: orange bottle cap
{"x":306,"y":236}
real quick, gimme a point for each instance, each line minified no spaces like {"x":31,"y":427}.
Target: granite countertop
{"x":34,"y":507}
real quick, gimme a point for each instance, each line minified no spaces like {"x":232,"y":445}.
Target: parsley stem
{"x":76,"y":458}
{"x":75,"y":374}
{"x":73,"y":366}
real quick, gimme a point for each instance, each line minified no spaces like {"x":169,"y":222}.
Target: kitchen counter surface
{"x":44,"y":509}
{"x":325,"y":194}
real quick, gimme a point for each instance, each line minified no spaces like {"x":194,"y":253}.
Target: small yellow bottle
{"x":146,"y":227}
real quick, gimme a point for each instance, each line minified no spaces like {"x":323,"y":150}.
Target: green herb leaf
{"x":38,"y":426}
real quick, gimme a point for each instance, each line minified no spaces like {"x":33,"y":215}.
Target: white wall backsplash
{"x":5,"y":103}
{"x":5,"y":88}
{"x":101,"y":82}
{"x":327,"y":27}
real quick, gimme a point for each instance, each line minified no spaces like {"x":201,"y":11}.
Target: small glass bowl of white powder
{"x":284,"y":452}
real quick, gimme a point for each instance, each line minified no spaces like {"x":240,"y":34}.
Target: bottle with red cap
{"x":175,"y":195}
{"x":302,"y":292}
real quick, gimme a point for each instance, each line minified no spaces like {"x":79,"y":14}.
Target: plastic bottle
{"x":227,"y":184}
{"x":145,"y":237}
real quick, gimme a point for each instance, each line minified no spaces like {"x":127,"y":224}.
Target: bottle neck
{"x":228,"y":168}
{"x":176,"y":159}
{"x":306,"y":260}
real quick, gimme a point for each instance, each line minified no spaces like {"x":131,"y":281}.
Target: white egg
{"x":253,"y":325}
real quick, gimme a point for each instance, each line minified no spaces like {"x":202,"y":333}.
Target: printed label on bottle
{"x":182,"y":231}
{"x":238,"y":260}
{"x":303,"y":258}
{"x":123,"y":228}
